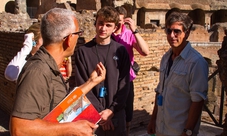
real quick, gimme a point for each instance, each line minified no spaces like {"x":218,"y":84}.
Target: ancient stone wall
{"x":10,"y":44}
{"x":147,"y":79}
{"x":145,"y":83}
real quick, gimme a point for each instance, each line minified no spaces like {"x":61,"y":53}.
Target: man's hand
{"x":84,"y":128}
{"x":106,"y":122}
{"x":108,"y":125}
{"x":106,"y":115}
{"x":99,"y":74}
{"x":151,"y":126}
{"x":131,"y":24}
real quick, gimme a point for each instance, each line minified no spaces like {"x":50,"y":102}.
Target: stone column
{"x":20,"y":7}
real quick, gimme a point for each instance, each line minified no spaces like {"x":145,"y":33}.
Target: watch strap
{"x":188,"y":132}
{"x":136,"y":31}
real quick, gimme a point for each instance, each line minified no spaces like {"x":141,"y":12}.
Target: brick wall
{"x":145,"y":83}
{"x":10,"y":44}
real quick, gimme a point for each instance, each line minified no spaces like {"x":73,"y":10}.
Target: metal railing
{"x":217,"y":123}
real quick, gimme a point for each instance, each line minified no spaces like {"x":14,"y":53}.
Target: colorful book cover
{"x":75,"y":106}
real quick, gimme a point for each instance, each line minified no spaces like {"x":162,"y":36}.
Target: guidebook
{"x":75,"y":106}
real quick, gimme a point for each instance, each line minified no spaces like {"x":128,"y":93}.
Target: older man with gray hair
{"x":40,"y":86}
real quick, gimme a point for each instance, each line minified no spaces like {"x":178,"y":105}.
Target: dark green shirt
{"x":39,"y":87}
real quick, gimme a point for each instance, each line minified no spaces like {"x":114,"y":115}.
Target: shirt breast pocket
{"x":179,"y":79}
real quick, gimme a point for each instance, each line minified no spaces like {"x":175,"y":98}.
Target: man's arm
{"x":38,"y":127}
{"x":141,"y":45}
{"x":194,"y":115}
{"x":13,"y":69}
{"x":119,"y":100}
{"x":198,"y":92}
{"x":152,"y":124}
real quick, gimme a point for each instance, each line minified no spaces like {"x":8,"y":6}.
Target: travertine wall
{"x":145,"y":83}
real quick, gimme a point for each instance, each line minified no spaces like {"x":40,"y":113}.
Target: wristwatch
{"x":188,"y":132}
{"x":136,"y":31}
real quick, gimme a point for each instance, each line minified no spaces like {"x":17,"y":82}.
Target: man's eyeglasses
{"x":175,"y":31}
{"x":79,"y":33}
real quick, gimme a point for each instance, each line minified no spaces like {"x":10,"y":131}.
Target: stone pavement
{"x":206,"y":129}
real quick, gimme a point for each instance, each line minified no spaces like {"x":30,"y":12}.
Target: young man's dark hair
{"x":185,"y":20}
{"x":109,"y":14}
{"x":122,"y":11}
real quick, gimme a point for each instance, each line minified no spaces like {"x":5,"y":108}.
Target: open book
{"x":75,"y":106}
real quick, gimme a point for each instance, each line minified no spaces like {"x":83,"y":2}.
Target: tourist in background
{"x":109,"y":97}
{"x":130,"y":38}
{"x":183,"y":83}
{"x":32,"y":42}
{"x":40,"y":86}
{"x":66,"y":68}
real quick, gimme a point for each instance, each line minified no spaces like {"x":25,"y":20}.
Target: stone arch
{"x":171,"y":11}
{"x":32,"y":7}
{"x":107,"y":3}
{"x":129,"y":9}
{"x":141,"y":17}
{"x":10,"y":6}
{"x":198,"y":16}
{"x":219,"y":16}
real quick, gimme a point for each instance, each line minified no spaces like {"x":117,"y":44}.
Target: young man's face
{"x":175,"y":35}
{"x":104,"y":29}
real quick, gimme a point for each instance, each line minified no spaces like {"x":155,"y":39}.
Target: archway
{"x":141,"y":17}
{"x":219,"y":16}
{"x":10,"y":7}
{"x":171,"y":11}
{"x":198,"y":16}
{"x":32,"y":7}
{"x":129,"y":9}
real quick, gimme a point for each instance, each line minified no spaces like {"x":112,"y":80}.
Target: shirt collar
{"x":47,"y":58}
{"x":185,"y":51}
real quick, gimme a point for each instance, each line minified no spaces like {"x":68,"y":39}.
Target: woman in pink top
{"x":130,"y":38}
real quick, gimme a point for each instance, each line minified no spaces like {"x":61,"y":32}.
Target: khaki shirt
{"x":39,"y":87}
